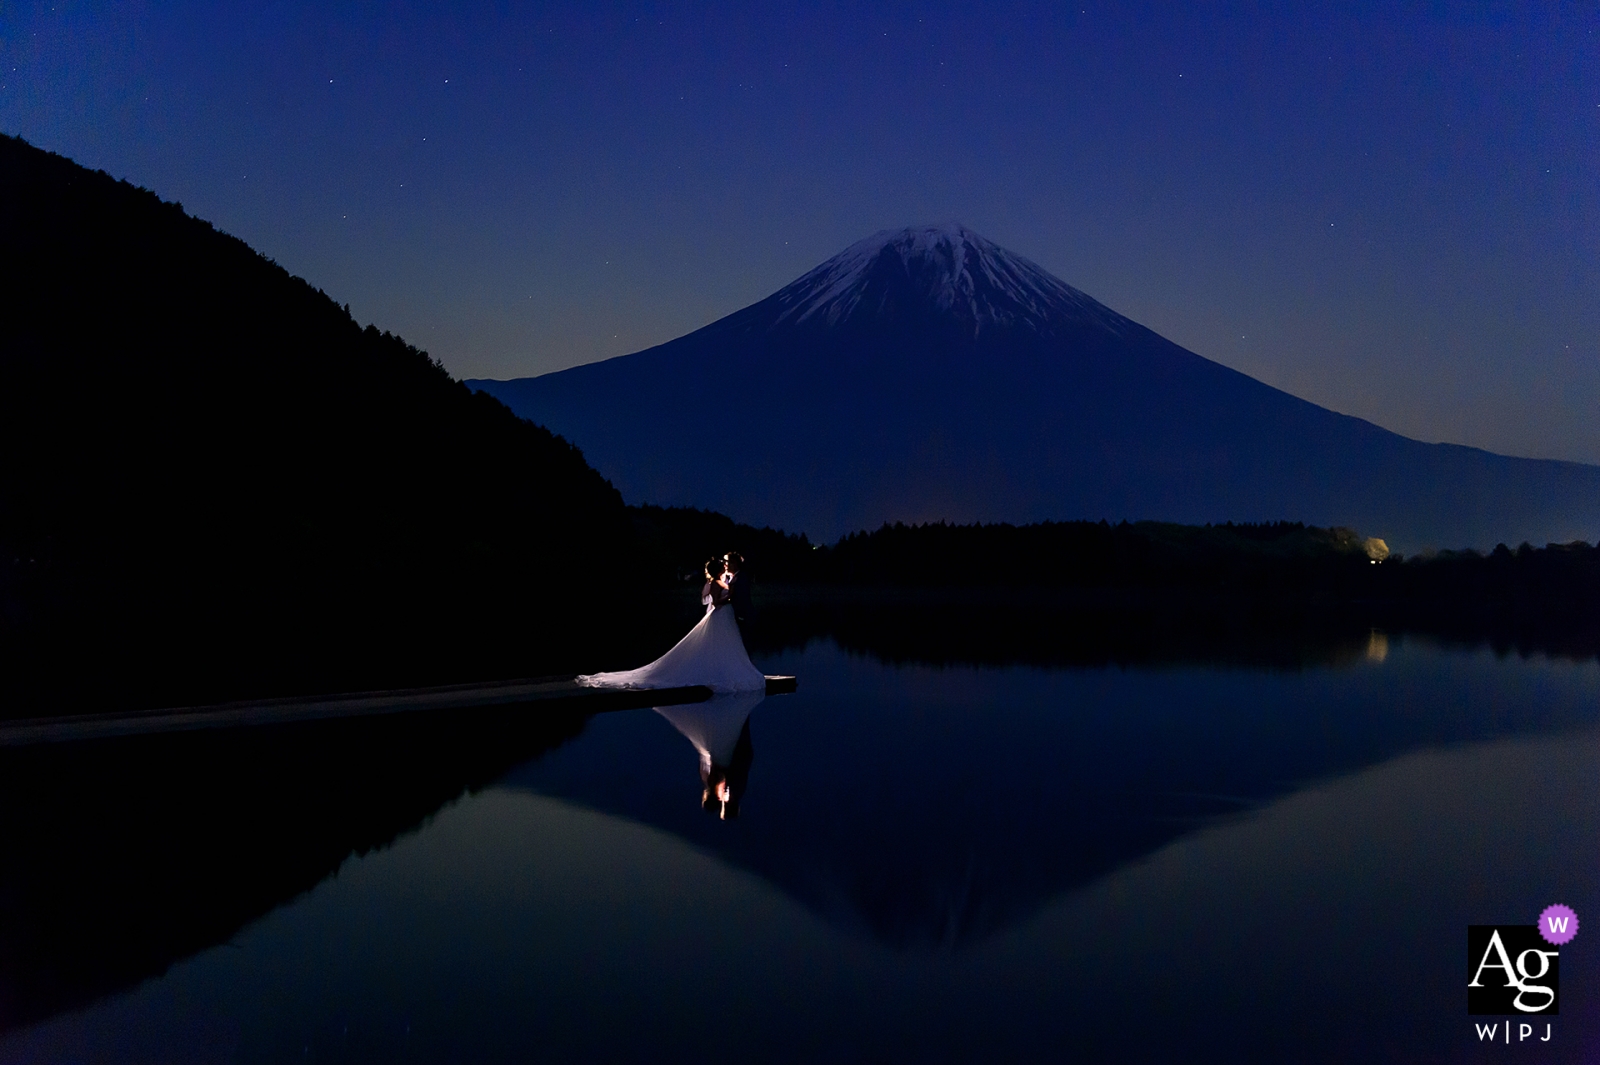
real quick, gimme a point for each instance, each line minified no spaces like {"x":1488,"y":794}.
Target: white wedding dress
{"x":712,"y":655}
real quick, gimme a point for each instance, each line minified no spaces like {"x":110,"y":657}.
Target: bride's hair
{"x":713,"y":569}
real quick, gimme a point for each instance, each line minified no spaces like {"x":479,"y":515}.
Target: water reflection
{"x":119,"y":858}
{"x":977,"y":796}
{"x":720,"y":730}
{"x":1325,"y":927}
{"x":965,"y":858}
{"x":1144,"y":630}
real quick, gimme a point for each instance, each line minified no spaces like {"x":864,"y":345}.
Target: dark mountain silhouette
{"x":216,"y":482}
{"x":927,"y":374}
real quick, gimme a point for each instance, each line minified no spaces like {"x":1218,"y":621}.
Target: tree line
{"x":1280,"y":559}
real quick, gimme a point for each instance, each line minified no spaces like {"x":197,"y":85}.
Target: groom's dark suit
{"x":739,"y":598}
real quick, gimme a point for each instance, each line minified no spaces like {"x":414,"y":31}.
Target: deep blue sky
{"x":1392,"y":210}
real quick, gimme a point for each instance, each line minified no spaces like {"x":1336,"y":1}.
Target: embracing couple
{"x":726,"y":585}
{"x":712,"y":654}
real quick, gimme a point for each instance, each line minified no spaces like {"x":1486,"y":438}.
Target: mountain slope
{"x":208,"y":462}
{"x":928,"y":374}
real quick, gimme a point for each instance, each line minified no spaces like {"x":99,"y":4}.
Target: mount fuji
{"x":928,"y":374}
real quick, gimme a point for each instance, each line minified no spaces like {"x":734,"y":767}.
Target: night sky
{"x":1390,"y":210}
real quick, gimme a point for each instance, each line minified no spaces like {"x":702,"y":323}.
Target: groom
{"x":738,"y":591}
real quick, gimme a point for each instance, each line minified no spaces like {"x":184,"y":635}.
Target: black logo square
{"x":1511,"y":970}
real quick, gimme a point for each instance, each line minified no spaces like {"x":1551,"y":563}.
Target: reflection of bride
{"x":712,"y":654}
{"x":720,"y":731}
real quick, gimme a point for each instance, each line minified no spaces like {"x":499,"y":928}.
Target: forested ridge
{"x":211,"y":466}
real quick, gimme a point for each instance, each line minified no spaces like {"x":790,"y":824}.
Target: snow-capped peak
{"x":945,"y":269}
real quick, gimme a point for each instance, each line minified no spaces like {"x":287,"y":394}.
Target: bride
{"x":712,"y":654}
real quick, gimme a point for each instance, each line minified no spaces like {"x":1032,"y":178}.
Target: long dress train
{"x":711,"y":654}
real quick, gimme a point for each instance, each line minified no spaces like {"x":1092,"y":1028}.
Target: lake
{"x":1224,"y":857}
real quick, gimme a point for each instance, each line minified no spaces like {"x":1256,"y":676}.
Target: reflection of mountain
{"x":927,"y":374}
{"x":118,"y":859}
{"x":934,"y":807}
{"x":911,"y":854}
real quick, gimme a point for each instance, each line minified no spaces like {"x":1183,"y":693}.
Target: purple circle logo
{"x":1558,"y":924}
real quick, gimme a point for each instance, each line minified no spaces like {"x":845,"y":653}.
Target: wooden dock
{"x":561,"y":693}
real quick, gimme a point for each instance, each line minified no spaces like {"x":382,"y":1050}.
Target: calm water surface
{"x":1189,"y":863}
